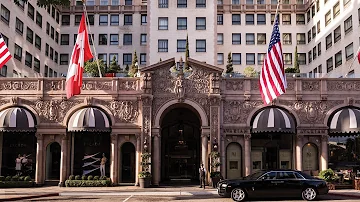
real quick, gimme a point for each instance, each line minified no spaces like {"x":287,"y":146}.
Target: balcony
{"x":106,"y":9}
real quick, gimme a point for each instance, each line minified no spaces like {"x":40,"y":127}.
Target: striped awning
{"x":273,"y":120}
{"x":16,"y":119}
{"x":346,"y":120}
{"x":89,"y":119}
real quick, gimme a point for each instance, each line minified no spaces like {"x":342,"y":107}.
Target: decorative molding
{"x":207,"y":135}
{"x":254,"y":84}
{"x":312,"y":131}
{"x":18,"y":85}
{"x":124,"y":111}
{"x":325,"y":138}
{"x":53,"y":85}
{"x":299,"y":137}
{"x":39,"y":136}
{"x":343,"y":85}
{"x":4,"y":101}
{"x":137,"y":136}
{"x":156,"y":135}
{"x":234,"y":85}
{"x":88,"y":100}
{"x":229,"y":131}
{"x":236,"y":111}
{"x":215,"y":121}
{"x":247,"y":137}
{"x":146,"y":101}
{"x":310,"y":85}
{"x":14,"y":100}
{"x":96,"y":85}
{"x":64,"y":136}
{"x":127,"y":85}
{"x":113,"y":137}
{"x":290,"y":85}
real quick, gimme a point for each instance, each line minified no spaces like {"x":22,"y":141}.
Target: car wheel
{"x":309,"y":194}
{"x":238,"y":194}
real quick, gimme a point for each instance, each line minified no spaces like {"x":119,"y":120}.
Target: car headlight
{"x":224,"y":185}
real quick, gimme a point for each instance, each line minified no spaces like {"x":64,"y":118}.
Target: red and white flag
{"x":80,"y":55}
{"x":358,"y":55}
{"x":5,"y":55}
{"x":272,"y":78}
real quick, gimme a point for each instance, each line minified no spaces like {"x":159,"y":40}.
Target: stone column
{"x":114,"y":159}
{"x":299,"y":146}
{"x":39,"y":175}
{"x":223,"y":155}
{"x":204,"y":151}
{"x":63,"y":159}
{"x":324,"y":152}
{"x":137,"y":158}
{"x":247,"y":151}
{"x":156,"y":159}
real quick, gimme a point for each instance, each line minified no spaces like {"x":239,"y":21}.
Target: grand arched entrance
{"x":180,"y":146}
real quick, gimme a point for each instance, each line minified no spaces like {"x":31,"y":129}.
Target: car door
{"x":290,"y":185}
{"x":265,"y":187}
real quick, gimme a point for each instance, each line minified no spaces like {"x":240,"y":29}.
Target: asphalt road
{"x":206,"y":198}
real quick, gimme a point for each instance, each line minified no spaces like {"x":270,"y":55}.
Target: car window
{"x":298,"y":176}
{"x":269,"y":176}
{"x":286,"y":175}
{"x":306,"y":176}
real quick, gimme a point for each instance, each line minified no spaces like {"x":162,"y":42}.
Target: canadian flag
{"x":81,"y":53}
{"x":359,"y":55}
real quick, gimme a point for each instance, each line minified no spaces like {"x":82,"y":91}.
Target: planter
{"x":215,"y":181}
{"x":109,"y":74}
{"x":144,"y":182}
{"x":330,"y":185}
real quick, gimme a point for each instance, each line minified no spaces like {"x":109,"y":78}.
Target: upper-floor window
{"x":143,"y":39}
{"x":128,"y":19}
{"x":328,"y":41}
{"x":19,"y":26}
{"x":28,"y":59}
{"x":38,"y":19}
{"x":163,"y":23}
{"x":300,"y":38}
{"x":181,"y":23}
{"x":250,"y":38}
{"x":236,"y":57}
{"x":29,"y":35}
{"x":64,"y":39}
{"x":31,"y":11}
{"x":200,"y":3}
{"x":114,"y":20}
{"x":103,"y":39}
{"x":220,"y":19}
{"x":65,"y":20}
{"x":286,"y":19}
{"x":104,"y":2}
{"x":181,"y":3}
{"x":329,"y":64}
{"x":162,"y":45}
{"x":327,"y":18}
{"x":181,"y":45}
{"x":200,"y":45}
{"x":127,"y":58}
{"x":128,"y":2}
{"x":142,"y":58}
{"x":349,"y":51}
{"x":103,"y":20}
{"x":143,"y":19}
{"x":200,"y":23}
{"x":302,"y":58}
{"x":348,"y":25}
{"x":287,"y":58}
{"x":261,"y":38}
{"x":37,"y":42}
{"x":163,"y":3}
{"x":300,"y":19}
{"x":261,"y":57}
{"x":18,"y":52}
{"x":114,"y":39}
{"x":337,"y":34}
{"x":220,"y":39}
{"x":250,"y":58}
{"x":261,"y":19}
{"x":236,"y":38}
{"x":287,"y":38}
{"x":64,"y":59}
{"x":220,"y":58}
{"x":336,"y":10}
{"x":236,"y":19}
{"x":338,"y":59}
{"x":127,"y":39}
{"x":249,"y":19}
{"x":318,"y":27}
{"x":5,"y":14}
{"x":319,"y":48}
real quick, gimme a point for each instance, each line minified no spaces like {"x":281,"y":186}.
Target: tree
{"x":127,"y":68}
{"x":44,"y":3}
{"x":250,"y":72}
{"x":296,"y":61}
{"x":92,"y":68}
{"x":229,"y":66}
{"x":134,"y":66}
{"x":290,"y":70}
{"x":114,"y":67}
{"x":187,"y":54}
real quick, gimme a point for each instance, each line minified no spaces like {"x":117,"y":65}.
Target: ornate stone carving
{"x":311,"y":131}
{"x":236,"y":131}
{"x":124,"y":111}
{"x":199,"y":81}
{"x":299,"y":137}
{"x":18,"y":85}
{"x":163,"y":81}
{"x":146,"y":125}
{"x":39,"y":136}
{"x":88,"y":101}
{"x":64,"y":136}
{"x":214,"y":121}
{"x":179,"y":88}
{"x":14,"y":100}
{"x":215,"y":101}
{"x":52,"y":85}
{"x":3,"y":101}
{"x":310,"y":85}
{"x":247,"y":137}
{"x":146,"y":101}
{"x":343,"y":85}
{"x":127,"y":85}
{"x":238,"y":111}
{"x":96,"y":85}
{"x":113,"y":137}
{"x":156,"y":135}
{"x":207,"y":135}
{"x":137,"y":136}
{"x":158,"y":102}
{"x":325,"y":138}
{"x":254,"y":84}
{"x":290,"y":85}
{"x":234,"y":84}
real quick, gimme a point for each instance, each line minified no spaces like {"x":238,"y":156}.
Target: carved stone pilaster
{"x":207,"y":135}
{"x":137,"y":136}
{"x":39,"y":136}
{"x":114,"y":137}
{"x":324,"y":137}
{"x":247,"y":136}
{"x":299,"y":137}
{"x":156,"y":135}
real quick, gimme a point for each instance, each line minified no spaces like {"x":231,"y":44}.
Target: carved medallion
{"x":96,"y":85}
{"x":310,"y":85}
{"x":234,"y":84}
{"x":127,"y":85}
{"x":50,"y":85}
{"x":124,"y":111}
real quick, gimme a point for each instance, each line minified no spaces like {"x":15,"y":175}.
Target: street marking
{"x":128,"y":198}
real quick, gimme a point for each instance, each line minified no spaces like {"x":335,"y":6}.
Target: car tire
{"x":238,"y":194}
{"x":309,"y":194}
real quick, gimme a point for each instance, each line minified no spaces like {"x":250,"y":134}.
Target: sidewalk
{"x":346,"y":192}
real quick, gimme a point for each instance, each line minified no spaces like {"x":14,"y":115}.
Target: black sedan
{"x":279,"y":183}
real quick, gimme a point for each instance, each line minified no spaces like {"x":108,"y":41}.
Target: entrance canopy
{"x":273,"y":119}
{"x":346,"y":120}
{"x":16,"y":119}
{"x":89,"y":119}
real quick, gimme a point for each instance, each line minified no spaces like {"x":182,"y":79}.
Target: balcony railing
{"x":109,"y":8}
{"x":262,"y":7}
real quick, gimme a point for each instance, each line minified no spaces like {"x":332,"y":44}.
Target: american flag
{"x":4,"y":52}
{"x":272,"y":78}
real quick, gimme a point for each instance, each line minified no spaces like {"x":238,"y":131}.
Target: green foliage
{"x":102,"y":178}
{"x":145,"y":164}
{"x":144,"y":174}
{"x":96,"y":177}
{"x":2,"y":178}
{"x":27,"y":178}
{"x":187,"y":53}
{"x":83,"y":177}
{"x":8,"y":178}
{"x":71,"y":177}
{"x":92,"y":68}
{"x":15,"y":178}
{"x":77,"y":177}
{"x":16,"y":184}
{"x":90,"y":177}
{"x":114,"y":67}
{"x":328,"y":175}
{"x":229,"y":65}
{"x":215,"y":174}
{"x":88,"y":183}
{"x":21,"y":178}
{"x":215,"y":154}
{"x":43,"y":3}
{"x":296,"y":62}
{"x":291,"y":70}
{"x":134,"y":67}
{"x":250,"y":72}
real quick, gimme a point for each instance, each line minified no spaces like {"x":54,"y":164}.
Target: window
{"x":250,"y":38}
{"x":309,"y":36}
{"x":261,"y":38}
{"x":128,"y":2}
{"x":261,"y":19}
{"x":102,"y":39}
{"x":220,"y":58}
{"x":104,"y":2}
{"x":127,"y":39}
{"x":287,"y":58}
{"x":103,"y":58}
{"x":31,"y":11}
{"x":346,"y":3}
{"x":349,"y":51}
{"x":181,"y":45}
{"x":64,"y":39}
{"x":287,"y":38}
{"x":236,"y":38}
{"x":114,"y":20}
{"x":56,"y":57}
{"x":103,"y":20}
{"x":220,"y":19}
{"x":51,"y":72}
{"x":338,"y":59}
{"x":313,"y":30}
{"x":236,"y":19}
{"x":319,"y":49}
{"x":220,"y":2}
{"x":327,"y":18}
{"x":52,"y":33}
{"x":75,"y":38}
{"x":29,"y":35}
{"x":163,"y":45}
{"x":112,"y":56}
{"x":249,"y":19}
{"x":286,"y":175}
{"x":220,"y":38}
{"x":308,"y":16}
{"x":64,"y":59}
{"x":272,"y":18}
{"x":236,"y":58}
{"x":78,"y":19}
{"x":143,"y":39}
{"x":128,"y":19}
{"x":142,"y":58}
{"x":114,"y":39}
{"x":300,"y":38}
{"x":200,"y":45}
{"x":46,"y":49}
{"x":47,"y":28}
{"x":359,"y":15}
{"x":328,"y":40}
{"x":37,"y":42}
{"x":314,"y":53}
{"x":5,"y":14}
{"x":329,"y":65}
{"x":36,"y":65}
{"x":302,"y":58}
{"x":310,"y":56}
{"x":182,"y":23}
{"x":53,"y":12}
{"x":336,"y":11}
{"x":250,"y":58}
{"x":261,"y":57}
{"x":6,"y":40}
{"x":38,"y":19}
{"x":348,"y":25}
{"x":127,"y":58}
{"x":21,"y":4}
{"x":143,"y":19}
{"x":28,"y":59}
{"x":163,"y":3}
{"x":200,"y":23}
{"x":19,"y":26}
{"x":57,"y":17}
{"x":163,"y":24}
{"x":65,"y":20}
{"x":18,"y":52}
{"x":300,"y":19}
{"x":318,"y":27}
{"x":286,"y":19}
{"x":3,"y":71}
{"x":236,"y":2}
{"x":200,"y":3}
{"x":181,"y":3}
{"x":337,"y":34}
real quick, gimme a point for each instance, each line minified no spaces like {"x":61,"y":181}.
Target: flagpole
{"x":92,"y":40}
{"x":352,"y":63}
{"x":277,"y":9}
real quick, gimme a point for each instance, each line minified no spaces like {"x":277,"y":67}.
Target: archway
{"x":53,"y":158}
{"x":128,"y":163}
{"x":180,"y":145}
{"x":233,"y":161}
{"x":310,"y":158}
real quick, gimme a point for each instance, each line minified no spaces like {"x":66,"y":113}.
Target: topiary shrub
{"x":27,"y":178}
{"x":15,"y":178}
{"x":96,"y":177}
{"x":8,"y":178}
{"x":71,"y":177}
{"x":2,"y":178}
{"x":77,"y":177}
{"x":21,"y":178}
{"x":16,"y":184}
{"x":102,"y":178}
{"x":90,"y":177}
{"x":87,"y":183}
{"x":328,"y":175}
{"x":84,"y":177}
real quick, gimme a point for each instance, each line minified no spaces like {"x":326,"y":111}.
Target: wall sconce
{"x":215,"y":144}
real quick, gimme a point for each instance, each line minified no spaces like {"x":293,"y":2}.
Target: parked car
{"x":274,"y":183}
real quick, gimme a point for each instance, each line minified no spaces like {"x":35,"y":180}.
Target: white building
{"x":324,"y":31}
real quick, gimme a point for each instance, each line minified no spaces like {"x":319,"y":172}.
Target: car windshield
{"x":255,"y":175}
{"x":306,"y":176}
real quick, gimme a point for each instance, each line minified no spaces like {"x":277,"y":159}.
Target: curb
{"x":174,"y":193}
{"x":346,"y":195}
{"x":30,"y":197}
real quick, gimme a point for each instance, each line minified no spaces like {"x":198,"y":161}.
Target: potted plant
{"x":215,"y":174}
{"x":113,"y":68}
{"x":330,"y":177}
{"x":145,"y":175}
